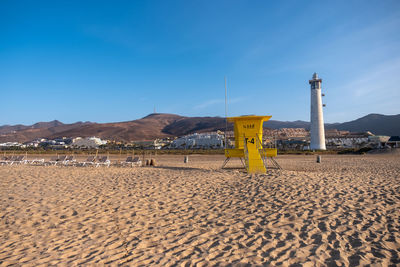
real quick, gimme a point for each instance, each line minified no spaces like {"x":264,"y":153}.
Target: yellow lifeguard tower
{"x":248,"y":144}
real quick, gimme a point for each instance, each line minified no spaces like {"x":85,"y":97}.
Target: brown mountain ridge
{"x":159,"y":125}
{"x":148,"y":128}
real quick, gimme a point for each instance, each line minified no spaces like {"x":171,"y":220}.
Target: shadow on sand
{"x":180,"y":168}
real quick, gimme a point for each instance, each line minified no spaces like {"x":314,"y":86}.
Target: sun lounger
{"x":61,"y":159}
{"x":4,"y":160}
{"x":69,"y":160}
{"x":7,"y":159}
{"x":103,"y":161}
{"x":89,"y":161}
{"x":11,"y":159}
{"x":132,"y":161}
{"x":136,"y":161}
{"x":53,"y":160}
{"x":128,"y":161}
{"x":18,"y":160}
{"x":36,"y":161}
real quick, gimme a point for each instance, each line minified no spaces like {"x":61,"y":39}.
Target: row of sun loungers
{"x":61,"y":160}
{"x":96,"y":161}
{"x":131,"y":161}
{"x":13,"y":160}
{"x":64,"y":160}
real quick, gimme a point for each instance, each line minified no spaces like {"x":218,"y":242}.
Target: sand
{"x":344,"y":211}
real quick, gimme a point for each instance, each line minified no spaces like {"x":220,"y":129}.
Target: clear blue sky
{"x":108,"y":61}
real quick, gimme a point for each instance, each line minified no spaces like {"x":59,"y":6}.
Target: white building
{"x":12,"y":144}
{"x":202,"y":140}
{"x":347,"y":142}
{"x":87,"y":142}
{"x":378,"y":141}
{"x":394,"y":141}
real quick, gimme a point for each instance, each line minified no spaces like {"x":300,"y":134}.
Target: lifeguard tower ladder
{"x":248,"y":144}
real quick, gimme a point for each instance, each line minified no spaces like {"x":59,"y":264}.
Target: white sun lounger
{"x":56,"y":160}
{"x":69,"y":160}
{"x":61,"y":159}
{"x":36,"y":161}
{"x":89,"y":161}
{"x":52,"y":161}
{"x":18,"y":160}
{"x":4,"y":160}
{"x":132,"y":161}
{"x":103,"y":161}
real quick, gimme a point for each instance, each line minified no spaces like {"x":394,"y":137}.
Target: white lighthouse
{"x":317,"y":131}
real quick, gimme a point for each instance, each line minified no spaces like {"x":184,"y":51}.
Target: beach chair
{"x":128,"y":161}
{"x":132,"y":161}
{"x":36,"y":161}
{"x":53,"y":161}
{"x":69,"y":160}
{"x":136,"y":161}
{"x":5,"y":160}
{"x":103,"y":161}
{"x":61,"y":160}
{"x":56,"y":160}
{"x":10,"y":159}
{"x":18,"y":160}
{"x":91,"y":160}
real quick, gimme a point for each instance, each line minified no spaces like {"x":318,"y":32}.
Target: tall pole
{"x":226,"y":111}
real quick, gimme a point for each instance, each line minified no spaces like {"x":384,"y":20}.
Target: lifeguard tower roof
{"x":249,"y":117}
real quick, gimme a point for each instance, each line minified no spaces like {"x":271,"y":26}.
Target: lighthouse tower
{"x":317,"y":131}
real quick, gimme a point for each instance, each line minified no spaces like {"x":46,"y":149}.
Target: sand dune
{"x":344,"y":211}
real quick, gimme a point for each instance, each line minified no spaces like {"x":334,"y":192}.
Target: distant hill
{"x":170,"y":125}
{"x":187,"y":125}
{"x":22,"y":133}
{"x":147,"y":128}
{"x":375,"y":123}
{"x":286,"y":124}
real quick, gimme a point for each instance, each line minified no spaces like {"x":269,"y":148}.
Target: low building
{"x":378,"y":141}
{"x":199,"y":141}
{"x":12,"y":145}
{"x":87,"y":142}
{"x":346,"y":142}
{"x":394,"y":141}
{"x":293,"y":144}
{"x":152,"y":144}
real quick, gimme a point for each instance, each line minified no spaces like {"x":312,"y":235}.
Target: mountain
{"x":158,"y":125}
{"x":39,"y":125}
{"x":286,"y":124}
{"x":375,"y":123}
{"x":50,"y":124}
{"x":189,"y":125}
{"x":147,"y":128}
{"x":22,"y":133}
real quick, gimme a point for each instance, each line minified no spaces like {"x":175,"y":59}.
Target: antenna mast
{"x":226,"y":111}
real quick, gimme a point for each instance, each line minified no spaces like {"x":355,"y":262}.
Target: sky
{"x":109,"y":61}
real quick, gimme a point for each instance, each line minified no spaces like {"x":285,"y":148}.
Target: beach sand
{"x":344,"y":211}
